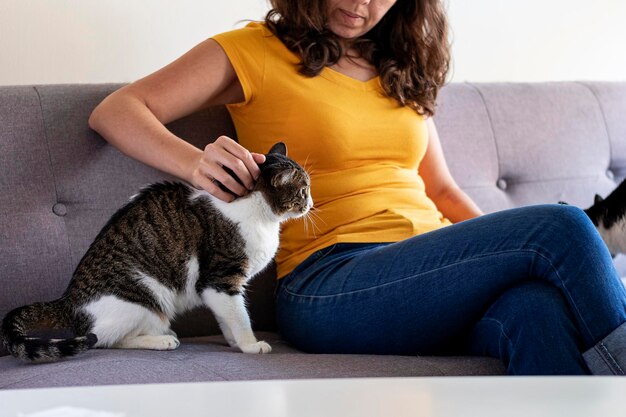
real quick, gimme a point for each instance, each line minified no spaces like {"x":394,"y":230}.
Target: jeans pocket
{"x":318,"y":262}
{"x":303,"y":268}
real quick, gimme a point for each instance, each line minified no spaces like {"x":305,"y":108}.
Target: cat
{"x":169,"y":249}
{"x":609,"y":217}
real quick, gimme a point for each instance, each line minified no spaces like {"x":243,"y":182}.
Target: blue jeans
{"x":534,"y":286}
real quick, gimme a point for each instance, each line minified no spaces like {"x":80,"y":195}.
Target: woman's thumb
{"x":259,"y":158}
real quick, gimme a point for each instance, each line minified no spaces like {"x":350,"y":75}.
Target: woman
{"x":400,"y":261}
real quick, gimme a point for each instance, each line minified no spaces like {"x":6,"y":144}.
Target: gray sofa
{"x":506,"y":144}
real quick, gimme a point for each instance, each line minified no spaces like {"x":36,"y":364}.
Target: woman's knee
{"x":562,"y":230}
{"x":569,"y":221}
{"x":565,"y":221}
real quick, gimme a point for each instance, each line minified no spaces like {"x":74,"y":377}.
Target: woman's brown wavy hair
{"x":409,"y":46}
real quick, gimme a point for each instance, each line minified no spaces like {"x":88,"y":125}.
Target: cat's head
{"x":285,"y":185}
{"x":609,"y":217}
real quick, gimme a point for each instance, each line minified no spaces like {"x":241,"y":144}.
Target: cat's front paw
{"x":258,"y":347}
{"x":167,"y":343}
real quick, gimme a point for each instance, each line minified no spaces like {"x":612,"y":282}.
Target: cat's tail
{"x":48,"y":315}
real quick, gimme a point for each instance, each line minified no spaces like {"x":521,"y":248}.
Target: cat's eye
{"x":303,"y":192}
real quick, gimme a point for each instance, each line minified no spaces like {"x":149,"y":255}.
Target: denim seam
{"x":606,"y":356}
{"x":415,"y":275}
{"x":567,"y":294}
{"x":501,"y":327}
{"x":505,"y":335}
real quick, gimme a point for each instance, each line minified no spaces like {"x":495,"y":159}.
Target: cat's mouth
{"x":302,"y":211}
{"x":299,"y":210}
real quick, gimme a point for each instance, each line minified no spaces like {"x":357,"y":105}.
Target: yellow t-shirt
{"x":360,"y":147}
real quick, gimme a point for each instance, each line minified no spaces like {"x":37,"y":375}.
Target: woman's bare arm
{"x":451,"y":201}
{"x":132,"y":119}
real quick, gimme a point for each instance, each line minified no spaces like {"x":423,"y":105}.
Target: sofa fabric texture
{"x":507,"y":145}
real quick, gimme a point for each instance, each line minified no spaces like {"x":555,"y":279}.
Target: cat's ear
{"x":282,"y":178}
{"x":597,"y":199}
{"x":279,"y":148}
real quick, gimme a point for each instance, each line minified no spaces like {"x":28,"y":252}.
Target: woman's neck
{"x":355,"y":66}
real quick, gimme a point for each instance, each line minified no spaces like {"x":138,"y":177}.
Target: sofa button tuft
{"x":610,"y":174}
{"x":59,"y":209}
{"x":502,"y":184}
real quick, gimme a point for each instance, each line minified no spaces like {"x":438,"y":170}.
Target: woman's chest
{"x":334,"y":121}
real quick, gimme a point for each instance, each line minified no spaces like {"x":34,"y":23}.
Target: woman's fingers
{"x":221,"y":161}
{"x":208,"y":184}
{"x":249,"y":169}
{"x":227,"y":180}
{"x":237,"y":167}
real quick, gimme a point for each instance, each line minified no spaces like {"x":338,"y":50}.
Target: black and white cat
{"x":609,"y":217}
{"x":169,"y":249}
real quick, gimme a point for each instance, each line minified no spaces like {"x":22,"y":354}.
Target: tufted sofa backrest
{"x":510,"y":145}
{"x":507,"y":145}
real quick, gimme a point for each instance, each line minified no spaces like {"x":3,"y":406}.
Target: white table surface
{"x":389,"y":397}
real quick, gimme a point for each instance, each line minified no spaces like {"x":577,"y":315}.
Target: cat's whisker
{"x":314,"y":211}
{"x":312,"y":227}
{"x":305,"y":165}
{"x":313,"y":217}
{"x":309,"y":218}
{"x":306,"y":225}
{"x":305,"y":162}
{"x":315,"y":226}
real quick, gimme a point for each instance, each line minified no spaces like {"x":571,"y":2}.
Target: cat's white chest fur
{"x":258,"y":226}
{"x":261,"y":244}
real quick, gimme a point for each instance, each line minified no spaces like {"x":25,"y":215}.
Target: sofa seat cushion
{"x":211,"y":359}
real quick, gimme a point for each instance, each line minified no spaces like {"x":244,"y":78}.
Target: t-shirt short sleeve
{"x":245,"y":49}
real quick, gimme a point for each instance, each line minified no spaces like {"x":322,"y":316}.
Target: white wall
{"x":538,"y":40}
{"x":81,"y":41}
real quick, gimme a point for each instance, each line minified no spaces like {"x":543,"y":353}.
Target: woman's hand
{"x":226,"y":153}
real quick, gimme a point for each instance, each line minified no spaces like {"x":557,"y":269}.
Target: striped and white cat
{"x":169,"y":249}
